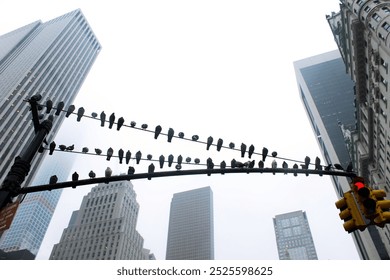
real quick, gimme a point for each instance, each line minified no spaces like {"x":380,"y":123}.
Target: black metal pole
{"x":21,"y":167}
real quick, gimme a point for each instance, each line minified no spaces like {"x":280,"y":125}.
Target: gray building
{"x":361,"y":31}
{"x":293,"y":237}
{"x":51,"y":59}
{"x":328,"y":96}
{"x":191,"y":226}
{"x":104,"y":228}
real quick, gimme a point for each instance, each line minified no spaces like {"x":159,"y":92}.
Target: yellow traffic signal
{"x":382,"y":208}
{"x":350,"y":213}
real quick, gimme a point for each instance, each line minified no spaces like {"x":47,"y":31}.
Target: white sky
{"x":212,"y":68}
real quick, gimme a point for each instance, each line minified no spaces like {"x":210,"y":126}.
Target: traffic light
{"x":372,"y":202}
{"x":382,"y":208}
{"x":350,"y":213}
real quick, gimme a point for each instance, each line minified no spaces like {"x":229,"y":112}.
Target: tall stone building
{"x":361,"y":30}
{"x":104,"y":228}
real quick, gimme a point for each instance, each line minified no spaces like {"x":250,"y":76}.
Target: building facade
{"x":104,"y":228}
{"x":191,"y":226}
{"x":293,"y":237}
{"x":51,"y":59}
{"x":361,"y":30}
{"x":327,"y":93}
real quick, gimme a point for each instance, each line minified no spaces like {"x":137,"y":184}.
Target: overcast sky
{"x":211,"y":68}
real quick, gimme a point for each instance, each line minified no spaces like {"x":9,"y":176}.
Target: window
{"x":386,"y":26}
{"x":376,"y":17}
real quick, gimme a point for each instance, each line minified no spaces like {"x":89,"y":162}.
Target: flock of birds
{"x":127,"y":156}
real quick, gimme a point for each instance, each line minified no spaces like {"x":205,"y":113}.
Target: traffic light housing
{"x":350,"y":213}
{"x":371,"y":202}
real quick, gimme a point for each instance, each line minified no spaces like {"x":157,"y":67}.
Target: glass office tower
{"x":191,"y":226}
{"x":328,"y":96}
{"x":293,"y":237}
{"x":51,"y":59}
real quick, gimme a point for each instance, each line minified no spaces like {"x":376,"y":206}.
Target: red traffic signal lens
{"x":359,"y":185}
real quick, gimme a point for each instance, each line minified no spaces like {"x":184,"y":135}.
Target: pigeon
{"x":133,"y":123}
{"x":274,"y":165}
{"x":53,"y":180}
{"x":261,"y":164}
{"x":110,"y":152}
{"x":151,"y":170}
{"x":197,"y":161}
{"x":91,"y":174}
{"x":161,"y":159}
{"x":170,"y":160}
{"x":138,"y":156}
{"x":285,"y":166}
{"x":209,"y":142}
{"x":181,"y":135}
{"x":219,"y":144}
{"x":128,"y":156}
{"x":149,"y":157}
{"x":295,"y":166}
{"x":188,"y":159}
{"x":338,"y":166}
{"x":179,"y":159}
{"x":80,"y":113}
{"x":318,"y":164}
{"x":307,"y":162}
{"x":102,"y":118}
{"x":233,"y":163}
{"x":170,"y":134}
{"x":75,"y":177}
{"x":144,"y":126}
{"x":231,"y":145}
{"x":130,"y":171}
{"x":62,"y":147}
{"x":94,"y":115}
{"x":120,"y":154}
{"x":85,"y":150}
{"x":251,"y":150}
{"x":223,"y":166}
{"x":60,"y":106}
{"x":52,"y":147}
{"x":157,"y":131}
{"x":195,"y":137}
{"x":70,"y":110}
{"x":265,"y":153}
{"x":108,"y":172}
{"x":121,"y":121}
{"x":49,"y":106}
{"x":243,"y":149}
{"x":98,"y":151}
{"x":70,"y":148}
{"x":274,"y":154}
{"x":111,"y":120}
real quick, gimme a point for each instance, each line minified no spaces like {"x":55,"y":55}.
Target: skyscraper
{"x":191,"y":226}
{"x":361,"y":31}
{"x":327,"y":93}
{"x":104,"y":227}
{"x":293,"y":237}
{"x":51,"y":59}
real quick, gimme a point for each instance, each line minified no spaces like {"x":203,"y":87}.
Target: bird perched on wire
{"x":151,"y":170}
{"x":209,"y":142}
{"x":219,"y":144}
{"x":264,"y":153}
{"x":110,"y":152}
{"x":102,"y":118}
{"x":121,"y":121}
{"x":223,"y":166}
{"x":111,"y":120}
{"x":243,"y":149}
{"x":197,"y":161}
{"x":121,"y":154}
{"x":338,"y":166}
{"x":53,"y":180}
{"x":91,"y":174}
{"x":231,"y":145}
{"x":62,"y":147}
{"x":170,"y":160}
{"x":49,"y":106}
{"x":317,"y":163}
{"x":251,"y":150}
{"x":233,"y":163}
{"x":138,"y":156}
{"x":195,"y":138}
{"x":94,"y":115}
{"x":85,"y":150}
{"x":170,"y":134}
{"x":285,"y":166}
{"x":128,"y":156}
{"x":52,"y":147}
{"x":70,"y":148}
{"x":157,"y":131}
{"x":98,"y":151}
{"x":295,"y":166}
{"x":261,"y":164}
{"x":59,"y":108}
{"x":70,"y":110}
{"x":274,"y":154}
{"x":75,"y":177}
{"x":307,"y":162}
{"x":161,"y":160}
{"x":80,"y":113}
{"x":130,"y":170}
{"x":108,"y":172}
{"x":274,"y":165}
{"x":179,"y":159}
